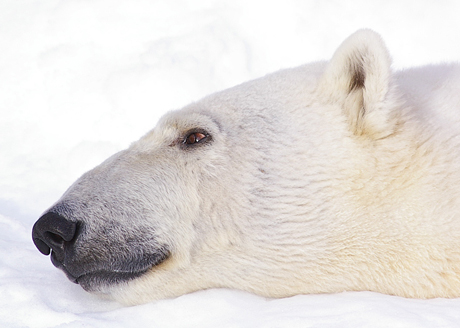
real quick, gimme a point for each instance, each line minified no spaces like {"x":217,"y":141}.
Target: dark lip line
{"x":115,"y":276}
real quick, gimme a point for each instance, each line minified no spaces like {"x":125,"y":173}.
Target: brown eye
{"x":194,"y":138}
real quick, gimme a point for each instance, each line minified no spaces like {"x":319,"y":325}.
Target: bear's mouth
{"x":99,"y":278}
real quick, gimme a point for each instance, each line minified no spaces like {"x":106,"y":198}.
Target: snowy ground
{"x":80,"y":80}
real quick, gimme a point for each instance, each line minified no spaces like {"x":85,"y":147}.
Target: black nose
{"x":51,"y":232}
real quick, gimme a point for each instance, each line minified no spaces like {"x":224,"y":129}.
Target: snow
{"x":81,"y":79}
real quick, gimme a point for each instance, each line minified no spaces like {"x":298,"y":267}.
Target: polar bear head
{"x":263,"y":187}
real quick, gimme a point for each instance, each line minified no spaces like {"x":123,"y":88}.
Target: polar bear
{"x":329,"y":177}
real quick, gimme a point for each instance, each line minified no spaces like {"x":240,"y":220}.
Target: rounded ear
{"x":358,"y":78}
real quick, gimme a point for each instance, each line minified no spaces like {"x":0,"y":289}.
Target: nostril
{"x":51,"y":232}
{"x":54,"y":240}
{"x":42,"y":246}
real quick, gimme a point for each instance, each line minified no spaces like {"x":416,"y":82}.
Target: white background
{"x":81,"y":79}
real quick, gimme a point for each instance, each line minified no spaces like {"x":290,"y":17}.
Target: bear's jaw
{"x":102,"y":279}
{"x":98,"y":279}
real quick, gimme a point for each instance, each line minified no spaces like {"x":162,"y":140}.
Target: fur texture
{"x":318,"y":179}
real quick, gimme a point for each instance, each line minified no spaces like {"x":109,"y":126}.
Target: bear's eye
{"x":195,"y":137}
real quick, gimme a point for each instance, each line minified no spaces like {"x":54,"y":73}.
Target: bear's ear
{"x":358,"y":78}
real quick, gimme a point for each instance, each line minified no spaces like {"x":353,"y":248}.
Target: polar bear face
{"x":302,"y":181}
{"x":143,"y":204}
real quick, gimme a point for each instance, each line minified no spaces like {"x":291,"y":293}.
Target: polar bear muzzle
{"x":54,"y":234}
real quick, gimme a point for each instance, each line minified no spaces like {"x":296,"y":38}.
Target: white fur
{"x":319,"y":179}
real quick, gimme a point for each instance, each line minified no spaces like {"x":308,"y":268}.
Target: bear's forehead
{"x":226,"y":111}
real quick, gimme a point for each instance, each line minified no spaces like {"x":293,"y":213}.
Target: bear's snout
{"x":53,"y":232}
{"x":94,"y":264}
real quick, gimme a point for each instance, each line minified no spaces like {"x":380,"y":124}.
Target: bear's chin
{"x":104,"y":279}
